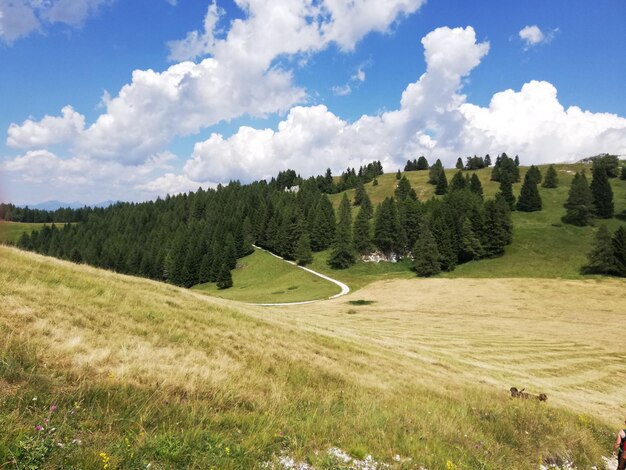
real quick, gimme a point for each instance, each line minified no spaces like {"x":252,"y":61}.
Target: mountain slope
{"x":145,"y":373}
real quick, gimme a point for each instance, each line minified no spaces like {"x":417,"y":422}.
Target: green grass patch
{"x":10,"y":232}
{"x":263,"y":278}
{"x":362,"y":273}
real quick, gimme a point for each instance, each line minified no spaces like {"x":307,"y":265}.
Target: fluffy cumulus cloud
{"x":49,"y":131}
{"x":19,"y":18}
{"x":240,"y":76}
{"x":533,"y":36}
{"x":434,"y":119}
{"x":311,"y":139}
{"x":533,"y":123}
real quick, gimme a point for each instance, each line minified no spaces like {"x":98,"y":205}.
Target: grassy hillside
{"x":131,"y":373}
{"x":11,"y":231}
{"x":263,"y":278}
{"x":542,"y":246}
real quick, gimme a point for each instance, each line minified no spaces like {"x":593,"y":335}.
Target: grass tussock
{"x":99,"y":369}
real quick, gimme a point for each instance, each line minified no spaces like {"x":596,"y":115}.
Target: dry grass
{"x":401,"y":375}
{"x":552,"y":336}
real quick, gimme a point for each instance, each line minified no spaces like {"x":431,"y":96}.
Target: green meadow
{"x":263,"y":278}
{"x":11,"y":231}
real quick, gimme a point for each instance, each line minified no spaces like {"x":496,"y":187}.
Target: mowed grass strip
{"x":559,"y":337}
{"x":11,"y":231}
{"x":263,"y":278}
{"x":150,"y":374}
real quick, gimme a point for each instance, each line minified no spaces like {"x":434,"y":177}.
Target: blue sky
{"x":260,"y":86}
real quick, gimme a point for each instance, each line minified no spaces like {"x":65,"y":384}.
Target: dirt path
{"x":344,"y":288}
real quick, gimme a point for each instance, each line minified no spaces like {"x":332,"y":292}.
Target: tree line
{"x":198,"y":237}
{"x":13,"y":213}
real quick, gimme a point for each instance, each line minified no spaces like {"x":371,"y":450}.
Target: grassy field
{"x":263,"y":278}
{"x":130,"y":372}
{"x":11,"y":231}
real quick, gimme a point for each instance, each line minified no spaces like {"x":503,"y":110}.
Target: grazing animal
{"x":515,"y":393}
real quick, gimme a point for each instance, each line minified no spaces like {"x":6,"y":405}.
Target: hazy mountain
{"x":54,"y":205}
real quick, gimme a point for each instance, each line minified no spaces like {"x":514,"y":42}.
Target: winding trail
{"x":344,"y":288}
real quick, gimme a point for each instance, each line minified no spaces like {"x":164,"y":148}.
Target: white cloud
{"x":169,"y":183}
{"x":197,"y":43}
{"x":533,"y":124}
{"x":49,"y":131}
{"x":355,"y":80}
{"x":79,"y":175}
{"x":433,"y":119}
{"x":311,"y":139}
{"x":533,"y":36}
{"x":19,"y":18}
{"x":239,"y":79}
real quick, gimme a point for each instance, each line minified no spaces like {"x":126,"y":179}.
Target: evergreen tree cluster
{"x":417,"y":164}
{"x":477,"y":163}
{"x":586,"y":202}
{"x":462,"y":226}
{"x":608,"y":255}
{"x":506,"y":165}
{"x":13,"y":213}
{"x":198,"y":237}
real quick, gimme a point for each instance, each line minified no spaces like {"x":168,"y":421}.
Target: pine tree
{"x":403,"y":189}
{"x":410,"y":215}
{"x":342,"y":255}
{"x":422,"y":163}
{"x":375,"y":182}
{"x":387,"y":227}
{"x":622,"y":174}
{"x":360,"y":193}
{"x":442,"y":183}
{"x":475,"y":185}
{"x":362,"y":232}
{"x":204,"y":275}
{"x":458,"y":182}
{"x":498,"y":228}
{"x":398,"y":175}
{"x":535,"y":174}
{"x":322,"y":230}
{"x":601,"y":259}
{"x":487,"y":160}
{"x":529,"y":198}
{"x":551,"y":180}
{"x":602,"y":193}
{"x":303,"y":253}
{"x":619,"y":250}
{"x":426,"y":254}
{"x":443,"y":231}
{"x":471,"y":248}
{"x":433,"y":173}
{"x":579,"y":204}
{"x":224,"y":278}
{"x":506,"y":190}
{"x":459,"y":164}
{"x":516,"y":160}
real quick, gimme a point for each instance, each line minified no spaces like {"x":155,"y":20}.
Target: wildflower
{"x":227,"y":450}
{"x":53,"y":408}
{"x":39,"y":427}
{"x":105,"y":460}
{"x":34,"y":398}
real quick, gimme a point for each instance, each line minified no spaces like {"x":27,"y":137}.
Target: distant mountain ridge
{"x":54,"y":205}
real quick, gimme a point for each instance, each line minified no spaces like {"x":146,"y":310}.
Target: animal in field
{"x":515,"y":393}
